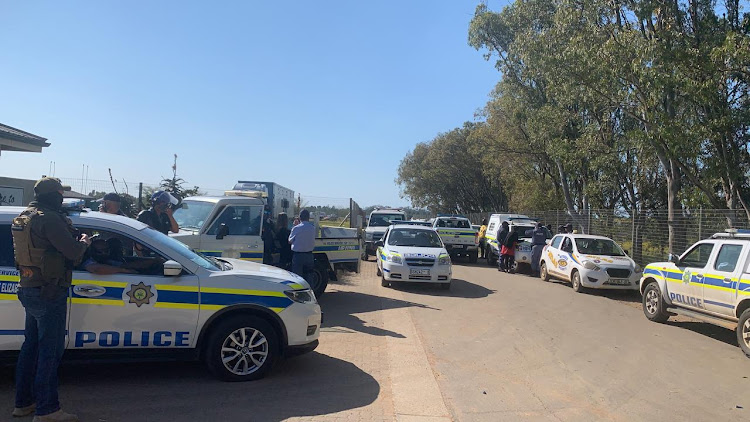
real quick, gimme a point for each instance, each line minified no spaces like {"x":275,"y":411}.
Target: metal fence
{"x":646,"y":234}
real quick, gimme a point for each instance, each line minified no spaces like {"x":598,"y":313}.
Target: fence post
{"x":632,"y":232}
{"x":700,"y":223}
{"x":588,"y":228}
{"x":140,"y":196}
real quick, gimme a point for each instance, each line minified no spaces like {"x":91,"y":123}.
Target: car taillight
{"x":476,"y":238}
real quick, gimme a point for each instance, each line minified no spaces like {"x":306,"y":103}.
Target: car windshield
{"x":524,"y":232}
{"x":193,"y":214}
{"x":590,"y":246}
{"x":414,"y":237}
{"x":384,"y":220}
{"x":159,"y":238}
{"x":454,"y":223}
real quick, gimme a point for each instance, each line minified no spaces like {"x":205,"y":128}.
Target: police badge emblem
{"x":140,"y":294}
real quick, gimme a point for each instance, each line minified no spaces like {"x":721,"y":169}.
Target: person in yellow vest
{"x":482,"y":239}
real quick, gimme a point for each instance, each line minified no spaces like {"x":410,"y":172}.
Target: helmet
{"x":163,"y":196}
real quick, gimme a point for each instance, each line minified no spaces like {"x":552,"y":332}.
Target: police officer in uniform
{"x":160,"y":215}
{"x":46,"y":250}
{"x":302,"y":239}
{"x":538,"y":241}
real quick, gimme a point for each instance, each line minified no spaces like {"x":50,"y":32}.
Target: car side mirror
{"x":172,"y":268}
{"x":379,"y":243}
{"x":222,"y":231}
{"x":674,"y":259}
{"x":626,"y":252}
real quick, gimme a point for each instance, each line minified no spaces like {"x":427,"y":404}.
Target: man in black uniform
{"x":111,"y":204}
{"x":46,"y":250}
{"x":159,"y":216}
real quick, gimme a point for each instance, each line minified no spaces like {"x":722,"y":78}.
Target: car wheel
{"x":377,"y":271}
{"x":653,"y":304}
{"x":474,"y":256}
{"x":319,"y":279}
{"x":445,"y":286}
{"x":575,"y":280}
{"x":242,"y":349}
{"x":384,"y":282}
{"x":491,"y":258}
{"x":743,"y":332}
{"x":543,"y":274}
{"x":364,"y":256}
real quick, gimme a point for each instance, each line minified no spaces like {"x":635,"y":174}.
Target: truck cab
{"x":230,"y":226}
{"x":379,"y":221}
{"x":459,"y":238}
{"x":709,"y":282}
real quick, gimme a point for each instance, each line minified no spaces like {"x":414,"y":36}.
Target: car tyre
{"x":491,"y":259}
{"x":319,"y":279}
{"x":255,"y":344}
{"x":575,"y":280}
{"x":743,"y":332}
{"x":543,"y":274}
{"x":653,"y":304}
{"x":384,"y":282}
{"x":364,"y":256}
{"x":445,"y":286}
{"x":474,"y":257}
{"x":377,"y":270}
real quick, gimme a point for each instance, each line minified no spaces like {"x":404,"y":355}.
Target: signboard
{"x":11,"y":196}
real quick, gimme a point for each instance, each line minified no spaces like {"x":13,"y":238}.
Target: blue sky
{"x":322,"y":97}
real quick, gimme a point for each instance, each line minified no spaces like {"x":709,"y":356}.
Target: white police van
{"x":709,"y":282}
{"x":238,"y":316}
{"x":379,"y":220}
{"x":413,"y":252}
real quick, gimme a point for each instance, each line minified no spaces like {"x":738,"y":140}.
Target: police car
{"x":587,"y":261}
{"x":709,"y":282}
{"x":413,"y":252}
{"x":238,"y":316}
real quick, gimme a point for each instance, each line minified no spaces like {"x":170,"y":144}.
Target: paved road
{"x":495,"y":347}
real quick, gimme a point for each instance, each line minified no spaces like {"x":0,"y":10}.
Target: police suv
{"x":457,"y":235}
{"x":709,"y":282}
{"x":238,"y":316}
{"x":411,"y":251}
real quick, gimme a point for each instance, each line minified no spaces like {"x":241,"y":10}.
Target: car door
{"x":381,"y":249}
{"x":565,"y":261}
{"x":551,"y":255}
{"x":12,"y":314}
{"x":241,"y":236}
{"x":142,"y":310}
{"x":720,"y":283}
{"x":692,"y":267}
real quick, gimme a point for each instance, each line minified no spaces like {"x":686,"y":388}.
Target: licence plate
{"x":458,"y":246}
{"x":415,"y":271}
{"x":619,"y":281}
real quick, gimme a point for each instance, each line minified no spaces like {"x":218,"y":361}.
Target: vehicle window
{"x":567,"y":245}
{"x":113,"y":249}
{"x":159,"y":238}
{"x":698,"y":256}
{"x":7,"y":257}
{"x":591,"y":246}
{"x":728,"y":257}
{"x":547,"y":233}
{"x":193,"y":214}
{"x":556,"y":242}
{"x":241,"y":220}
{"x":414,"y":237}
{"x":384,"y":220}
{"x":491,"y":227}
{"x":454,"y":223}
{"x":523,"y":231}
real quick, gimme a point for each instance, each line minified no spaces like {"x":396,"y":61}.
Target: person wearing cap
{"x":46,"y":251}
{"x":538,"y":242}
{"x":111,"y":204}
{"x":159,"y":216}
{"x":302,"y":239}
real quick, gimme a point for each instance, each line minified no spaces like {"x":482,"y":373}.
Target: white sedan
{"x":413,"y":253}
{"x":589,"y":262}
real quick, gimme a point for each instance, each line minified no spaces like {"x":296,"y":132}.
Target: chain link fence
{"x":646,"y":234}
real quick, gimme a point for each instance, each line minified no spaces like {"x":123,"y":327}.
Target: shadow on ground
{"x":340,"y":308}
{"x":309,"y":385}
{"x":459,"y":288}
{"x":709,"y":330}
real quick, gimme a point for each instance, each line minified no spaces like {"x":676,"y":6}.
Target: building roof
{"x":12,"y":139}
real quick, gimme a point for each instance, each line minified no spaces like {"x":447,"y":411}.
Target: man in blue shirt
{"x":302,"y":239}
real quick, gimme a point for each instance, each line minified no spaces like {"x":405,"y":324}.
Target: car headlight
{"x":396,"y":259}
{"x":590,"y":266}
{"x":301,"y":296}
{"x":444,"y":260}
{"x":638,"y":268}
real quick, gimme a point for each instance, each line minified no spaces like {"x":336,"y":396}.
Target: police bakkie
{"x":411,"y":252}
{"x":379,"y":220}
{"x":238,"y":316}
{"x":709,"y":282}
{"x":459,"y":238}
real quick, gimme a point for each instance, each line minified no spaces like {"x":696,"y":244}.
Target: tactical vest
{"x":50,"y":262}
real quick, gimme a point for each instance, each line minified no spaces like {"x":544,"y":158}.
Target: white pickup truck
{"x":458,"y":236}
{"x":230,"y":226}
